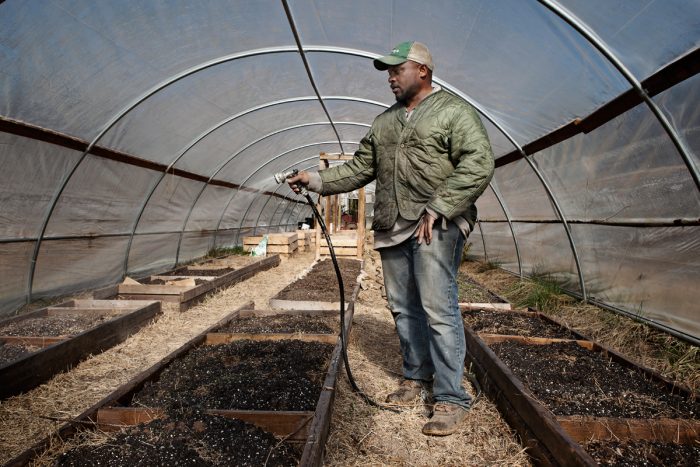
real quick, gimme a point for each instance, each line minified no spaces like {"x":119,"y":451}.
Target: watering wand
{"x":280,"y":178}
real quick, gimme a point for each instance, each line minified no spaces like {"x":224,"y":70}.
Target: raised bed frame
{"x":186,"y":296}
{"x":311,"y":428}
{"x":286,"y":304}
{"x":61,"y":353}
{"x":553,"y":440}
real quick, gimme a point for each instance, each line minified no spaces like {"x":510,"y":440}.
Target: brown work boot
{"x":446,"y":419}
{"x":407,"y":392}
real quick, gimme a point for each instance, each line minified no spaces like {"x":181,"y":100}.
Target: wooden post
{"x":361,"y":223}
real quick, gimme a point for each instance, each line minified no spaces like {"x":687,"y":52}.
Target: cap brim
{"x":384,"y":63}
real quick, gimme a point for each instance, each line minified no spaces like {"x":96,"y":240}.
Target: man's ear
{"x":423,"y":71}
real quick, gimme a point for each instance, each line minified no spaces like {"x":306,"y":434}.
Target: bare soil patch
{"x":283,"y":324}
{"x":55,"y":325}
{"x":245,"y":375}
{"x":321,"y":282}
{"x":514,"y":324}
{"x":189,"y":439}
{"x":9,"y":352}
{"x":571,"y":380}
{"x":642,"y":453}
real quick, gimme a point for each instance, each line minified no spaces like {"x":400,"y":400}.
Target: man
{"x":431,"y":159}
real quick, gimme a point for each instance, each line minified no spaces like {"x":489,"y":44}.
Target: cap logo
{"x":395,"y":51}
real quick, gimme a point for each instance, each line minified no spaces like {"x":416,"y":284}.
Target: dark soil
{"x":55,"y":325}
{"x":283,"y":324}
{"x":244,"y":375}
{"x":471,"y":291}
{"x":148,"y":281}
{"x":194,"y":439}
{"x":198,"y":272}
{"x":11,"y":352}
{"x":643,"y":453}
{"x":514,"y":324}
{"x":571,"y":380}
{"x":321,"y":283}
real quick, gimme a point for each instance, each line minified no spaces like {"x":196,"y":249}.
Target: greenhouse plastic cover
{"x":135,"y":135}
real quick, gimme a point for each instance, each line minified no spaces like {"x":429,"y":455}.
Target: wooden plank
{"x":339,"y":251}
{"x":41,"y":341}
{"x":361,"y":221}
{"x":295,"y":312}
{"x":291,"y":424}
{"x":225,"y":338}
{"x":340,"y":241}
{"x":665,"y":430}
{"x":26,"y":373}
{"x":464,"y":306}
{"x":152,"y":289}
{"x":86,"y":311}
{"x":497,"y":338}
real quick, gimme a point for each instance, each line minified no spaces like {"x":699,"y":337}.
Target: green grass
{"x":227,"y":251}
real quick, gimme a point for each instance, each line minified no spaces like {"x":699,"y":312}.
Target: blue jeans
{"x":421,"y":287}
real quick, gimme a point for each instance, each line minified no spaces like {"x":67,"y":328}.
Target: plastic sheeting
{"x":193,"y":107}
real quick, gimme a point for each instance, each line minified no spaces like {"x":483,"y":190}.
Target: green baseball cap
{"x":410,"y":50}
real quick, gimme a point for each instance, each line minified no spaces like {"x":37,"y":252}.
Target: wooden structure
{"x":61,"y":353}
{"x":283,"y":243}
{"x":347,"y":242}
{"x":186,"y":295}
{"x":554,"y":440}
{"x":308,"y":427}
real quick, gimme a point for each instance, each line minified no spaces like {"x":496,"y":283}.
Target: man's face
{"x":404,"y":80}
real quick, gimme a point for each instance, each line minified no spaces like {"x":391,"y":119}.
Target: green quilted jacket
{"x":440,"y":158}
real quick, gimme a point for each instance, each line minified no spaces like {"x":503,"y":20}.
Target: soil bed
{"x":321,"y":283}
{"x":54,"y":325}
{"x":570,"y":380}
{"x":471,"y":291}
{"x":642,"y":453}
{"x":282,"y":324}
{"x":198,"y":272}
{"x":11,"y":352}
{"x":149,"y":281}
{"x":514,"y":324}
{"x":193,"y":439}
{"x":243,"y":375}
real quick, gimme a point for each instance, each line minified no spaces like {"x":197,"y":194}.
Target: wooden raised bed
{"x":557,"y":439}
{"x":59,"y":353}
{"x":285,"y":243}
{"x":309,"y":429}
{"x":186,"y":296}
{"x":318,"y":288}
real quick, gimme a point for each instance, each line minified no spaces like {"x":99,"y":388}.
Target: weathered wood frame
{"x":61,"y":353}
{"x":186,"y":296}
{"x":552,"y":440}
{"x":316,"y":424}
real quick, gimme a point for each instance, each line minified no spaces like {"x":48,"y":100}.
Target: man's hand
{"x":425,"y":229}
{"x":297,"y":181}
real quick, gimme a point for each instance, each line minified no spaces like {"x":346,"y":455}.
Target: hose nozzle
{"x":280,"y":177}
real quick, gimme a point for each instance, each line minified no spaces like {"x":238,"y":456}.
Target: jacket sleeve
{"x":471,"y":154}
{"x":353,"y":174}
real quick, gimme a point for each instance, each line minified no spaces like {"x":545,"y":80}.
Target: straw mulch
{"x":363,"y":435}
{"x":22,"y":418}
{"x":671,"y":357}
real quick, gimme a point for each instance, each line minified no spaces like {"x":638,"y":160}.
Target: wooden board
{"x":339,"y":251}
{"x":498,"y":338}
{"x":293,"y":425}
{"x":281,"y":238}
{"x":485,"y":306}
{"x":28,"y":372}
{"x":225,"y":338}
{"x":665,"y":430}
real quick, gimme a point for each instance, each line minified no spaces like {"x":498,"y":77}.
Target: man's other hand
{"x":425,"y":229}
